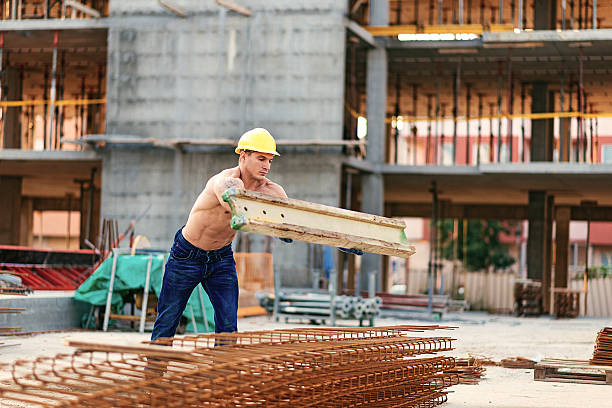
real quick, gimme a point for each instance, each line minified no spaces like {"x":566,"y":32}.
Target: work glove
{"x":351,"y":251}
{"x":286,"y":240}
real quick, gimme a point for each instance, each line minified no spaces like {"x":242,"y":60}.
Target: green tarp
{"x":130,"y":274}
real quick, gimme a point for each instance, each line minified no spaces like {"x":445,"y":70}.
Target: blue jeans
{"x":187,"y":266}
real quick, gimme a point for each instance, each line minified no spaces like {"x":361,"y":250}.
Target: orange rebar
{"x":301,"y":368}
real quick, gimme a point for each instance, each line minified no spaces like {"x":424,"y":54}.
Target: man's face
{"x":257,"y":165}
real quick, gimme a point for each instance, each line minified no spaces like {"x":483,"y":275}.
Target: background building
{"x":474,"y":111}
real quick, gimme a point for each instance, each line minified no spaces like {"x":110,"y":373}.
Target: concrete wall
{"x":216,"y":74}
{"x":44,"y":311}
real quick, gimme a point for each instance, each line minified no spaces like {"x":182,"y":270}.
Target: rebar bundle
{"x":299,"y":368}
{"x":603,"y":348}
{"x":470,"y":370}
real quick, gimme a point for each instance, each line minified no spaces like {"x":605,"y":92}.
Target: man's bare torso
{"x":208,"y":225}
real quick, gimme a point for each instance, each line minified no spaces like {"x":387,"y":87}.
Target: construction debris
{"x":528,"y":298}
{"x":470,"y":370}
{"x":379,"y":366}
{"x":603,"y":348}
{"x":517,"y":362}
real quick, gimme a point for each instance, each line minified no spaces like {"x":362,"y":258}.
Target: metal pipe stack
{"x":319,"y":305}
{"x":327,"y":367}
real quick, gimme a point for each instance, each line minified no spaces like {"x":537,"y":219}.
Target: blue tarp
{"x":130,"y":275}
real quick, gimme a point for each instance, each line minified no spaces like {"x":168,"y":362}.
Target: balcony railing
{"x":57,"y":9}
{"x":491,"y":15}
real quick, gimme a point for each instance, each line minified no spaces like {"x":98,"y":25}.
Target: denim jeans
{"x":187,"y":266}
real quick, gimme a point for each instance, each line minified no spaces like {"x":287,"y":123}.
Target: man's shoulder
{"x":274,"y":189}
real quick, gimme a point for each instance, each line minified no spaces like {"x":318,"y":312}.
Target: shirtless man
{"x":202,"y":251}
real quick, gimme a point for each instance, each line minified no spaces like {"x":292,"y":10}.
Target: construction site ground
{"x":478,"y":334}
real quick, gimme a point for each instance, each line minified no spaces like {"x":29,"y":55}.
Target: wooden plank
{"x":316,"y":223}
{"x":572,"y":371}
{"x":234,"y":7}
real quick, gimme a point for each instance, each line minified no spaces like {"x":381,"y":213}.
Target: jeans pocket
{"x":180,"y":253}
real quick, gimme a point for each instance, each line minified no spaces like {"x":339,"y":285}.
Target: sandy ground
{"x":477,"y":334}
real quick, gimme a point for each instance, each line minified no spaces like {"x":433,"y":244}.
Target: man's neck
{"x":250,"y":183}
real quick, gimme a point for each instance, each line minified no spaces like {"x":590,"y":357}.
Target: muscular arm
{"x":277,"y":191}
{"x":223,"y":183}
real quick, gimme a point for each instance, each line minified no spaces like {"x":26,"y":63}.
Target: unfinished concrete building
{"x":475,"y":109}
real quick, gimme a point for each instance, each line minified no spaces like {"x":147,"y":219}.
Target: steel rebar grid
{"x":602,"y":354}
{"x":303,"y":370}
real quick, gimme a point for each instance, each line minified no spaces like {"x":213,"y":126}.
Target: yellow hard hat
{"x":257,"y":140}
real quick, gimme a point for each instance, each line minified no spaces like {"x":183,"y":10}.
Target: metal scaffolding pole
{"x":581,"y":103}
{"x":1,"y":85}
{"x":523,"y":122}
{"x":501,"y":11}
{"x":569,"y":124}
{"x":468,"y":101}
{"x":520,"y":14}
{"x":437,"y":127}
{"x":456,"y":109}
{"x":432,"y":245}
{"x":594,"y":13}
{"x":563,"y":151}
{"x":491,"y":136}
{"x":510,"y":103}
{"x":52,"y":90}
{"x":440,"y":12}
{"x":428,"y":149}
{"x":482,"y":9}
{"x":499,"y":109}
{"x":469,"y":12}
{"x":593,"y":151}
{"x":563,"y":7}
{"x":478,"y":143}
{"x":442,"y":125}
{"x":397,"y":114}
{"x":460,"y":11}
{"x":414,"y":128}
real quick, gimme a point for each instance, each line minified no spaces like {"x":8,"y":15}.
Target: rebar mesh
{"x":379,"y":367}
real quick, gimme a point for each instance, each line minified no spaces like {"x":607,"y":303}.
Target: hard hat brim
{"x":239,"y":149}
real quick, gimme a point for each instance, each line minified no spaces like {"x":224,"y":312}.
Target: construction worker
{"x":202,"y":251}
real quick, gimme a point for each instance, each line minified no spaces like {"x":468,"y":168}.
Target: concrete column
{"x":547,"y":272}
{"x":372,"y":203}
{"x":12,"y":123}
{"x":541,"y":134}
{"x":372,"y":188}
{"x":562,"y":219}
{"x":545,"y":14}
{"x":26,"y":227}
{"x":10,"y":216}
{"x":536,"y":244}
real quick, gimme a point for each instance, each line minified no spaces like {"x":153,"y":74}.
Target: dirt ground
{"x":477,"y":334}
